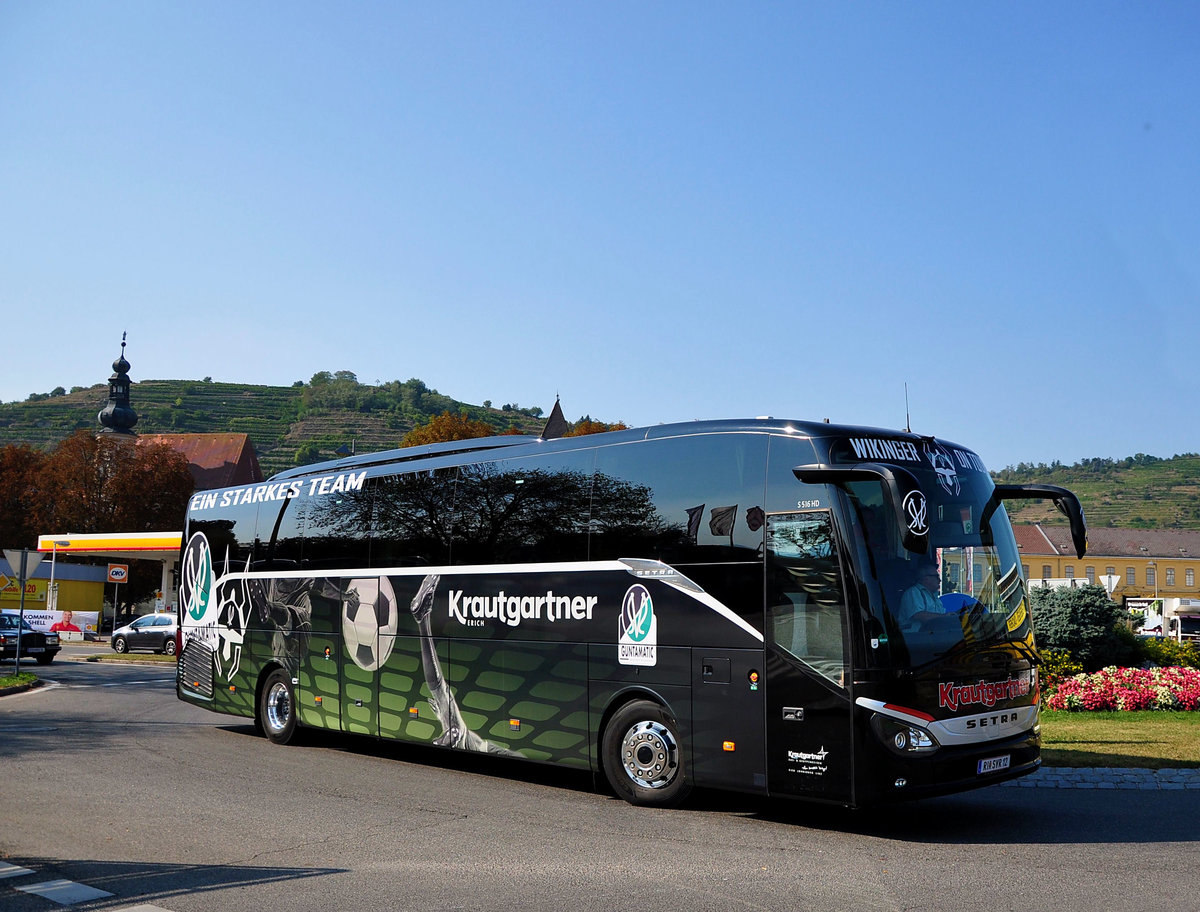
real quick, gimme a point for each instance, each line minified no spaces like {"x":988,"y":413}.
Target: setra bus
{"x":796,"y":609}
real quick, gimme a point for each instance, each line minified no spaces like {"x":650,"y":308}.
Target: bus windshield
{"x":965,"y":590}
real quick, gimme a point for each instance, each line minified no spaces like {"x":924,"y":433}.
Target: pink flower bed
{"x":1174,"y":688}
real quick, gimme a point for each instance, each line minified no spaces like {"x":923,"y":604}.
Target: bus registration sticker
{"x":994,"y":764}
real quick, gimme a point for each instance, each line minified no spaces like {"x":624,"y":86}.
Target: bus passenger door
{"x":311,"y":638}
{"x":809,"y":733}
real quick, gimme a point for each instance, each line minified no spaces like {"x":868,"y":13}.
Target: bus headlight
{"x":902,"y":738}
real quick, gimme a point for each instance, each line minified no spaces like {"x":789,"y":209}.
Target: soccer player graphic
{"x":441,"y":698}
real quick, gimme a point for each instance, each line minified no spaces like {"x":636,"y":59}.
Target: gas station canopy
{"x":160,"y":546}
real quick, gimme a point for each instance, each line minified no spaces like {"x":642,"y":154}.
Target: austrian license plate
{"x":33,"y":649}
{"x":994,"y":764}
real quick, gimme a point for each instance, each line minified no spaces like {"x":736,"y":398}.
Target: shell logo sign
{"x":118,"y":573}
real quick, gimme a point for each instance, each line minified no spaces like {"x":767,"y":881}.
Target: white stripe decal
{"x":676,"y":580}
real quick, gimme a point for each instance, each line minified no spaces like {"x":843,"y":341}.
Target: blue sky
{"x":659,"y":211}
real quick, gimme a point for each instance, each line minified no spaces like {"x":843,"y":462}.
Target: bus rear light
{"x":728,"y":746}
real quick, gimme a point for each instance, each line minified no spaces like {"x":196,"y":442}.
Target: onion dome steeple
{"x":118,"y":417}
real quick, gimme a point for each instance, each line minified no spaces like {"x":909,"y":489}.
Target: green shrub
{"x":1083,"y":621}
{"x":1167,"y":652}
{"x":1057,"y":664}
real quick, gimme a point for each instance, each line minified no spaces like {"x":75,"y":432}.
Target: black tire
{"x":120,"y":645}
{"x":169,"y":646}
{"x":277,"y":708}
{"x":643,"y":756}
{"x":45,"y":659}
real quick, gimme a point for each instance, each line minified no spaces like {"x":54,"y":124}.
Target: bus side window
{"x":284,"y":532}
{"x":411,"y":518}
{"x":337,"y":530}
{"x":523,"y":510}
{"x":804,"y":591}
{"x":683,"y":500}
{"x":233,"y":538}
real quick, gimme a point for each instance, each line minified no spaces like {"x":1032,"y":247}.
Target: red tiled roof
{"x":1104,"y":541}
{"x":216,"y":460}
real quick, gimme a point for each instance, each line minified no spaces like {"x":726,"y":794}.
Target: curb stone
{"x":1082,"y":777}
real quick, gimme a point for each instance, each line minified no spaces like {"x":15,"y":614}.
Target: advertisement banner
{"x":35,"y":591}
{"x":68,"y":624}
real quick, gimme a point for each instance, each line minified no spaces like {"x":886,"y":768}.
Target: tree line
{"x":91,"y":484}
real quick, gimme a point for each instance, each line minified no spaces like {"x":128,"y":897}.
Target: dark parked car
{"x":155,"y":632}
{"x":34,"y":644}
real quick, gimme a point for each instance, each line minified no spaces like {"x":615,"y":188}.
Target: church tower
{"x":118,"y":417}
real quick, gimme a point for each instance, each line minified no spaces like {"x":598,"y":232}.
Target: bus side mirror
{"x":1064,"y":501}
{"x":903,"y":491}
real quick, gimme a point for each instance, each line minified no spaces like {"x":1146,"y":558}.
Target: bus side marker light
{"x":232,"y":689}
{"x":514,"y":724}
{"x":412,"y":711}
{"x":318,"y":699}
{"x":728,"y":746}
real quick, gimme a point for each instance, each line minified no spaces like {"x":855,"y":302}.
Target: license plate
{"x":994,"y":764}
{"x":33,"y":649}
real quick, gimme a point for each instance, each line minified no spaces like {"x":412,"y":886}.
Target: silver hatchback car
{"x":155,"y":632}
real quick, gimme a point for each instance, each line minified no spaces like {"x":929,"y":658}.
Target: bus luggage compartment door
{"x":728,"y":740}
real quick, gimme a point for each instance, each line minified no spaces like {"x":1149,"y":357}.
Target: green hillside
{"x":1143,"y":492}
{"x":335,"y":410}
{"x":330,"y":411}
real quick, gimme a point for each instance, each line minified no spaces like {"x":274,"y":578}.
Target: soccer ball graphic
{"x":369,"y":621}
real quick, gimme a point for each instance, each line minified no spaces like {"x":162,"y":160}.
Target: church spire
{"x":557,"y":425}
{"x":118,"y":417}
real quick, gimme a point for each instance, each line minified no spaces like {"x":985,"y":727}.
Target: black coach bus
{"x":797,"y":609}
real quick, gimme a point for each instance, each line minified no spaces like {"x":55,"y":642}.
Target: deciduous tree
{"x":447,"y":426}
{"x":102,"y":484}
{"x":587,"y":426}
{"x":19,"y":495}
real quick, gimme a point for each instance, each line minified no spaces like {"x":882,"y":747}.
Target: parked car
{"x":155,"y":632}
{"x":35,"y":644}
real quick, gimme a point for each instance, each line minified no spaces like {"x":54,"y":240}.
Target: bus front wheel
{"x":277,"y":708}
{"x":643,"y":756}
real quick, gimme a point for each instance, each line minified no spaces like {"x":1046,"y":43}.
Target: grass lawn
{"x":10,"y":679}
{"x":1152,"y":740}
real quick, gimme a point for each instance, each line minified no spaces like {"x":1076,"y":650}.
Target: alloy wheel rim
{"x":279,"y":707}
{"x":650,"y":755}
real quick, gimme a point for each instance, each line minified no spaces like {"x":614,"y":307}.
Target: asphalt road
{"x":112,"y":783}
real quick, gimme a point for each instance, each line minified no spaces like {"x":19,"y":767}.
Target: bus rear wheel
{"x":277,"y":708}
{"x":643,"y":756}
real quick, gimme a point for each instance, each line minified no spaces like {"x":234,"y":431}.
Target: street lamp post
{"x":52,"y":594}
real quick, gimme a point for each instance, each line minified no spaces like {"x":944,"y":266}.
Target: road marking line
{"x":11,"y":870}
{"x":64,"y":892}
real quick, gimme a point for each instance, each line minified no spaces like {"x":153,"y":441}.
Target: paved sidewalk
{"x":1067,"y":777}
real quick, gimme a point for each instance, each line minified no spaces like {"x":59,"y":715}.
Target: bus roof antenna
{"x":907,"y":418}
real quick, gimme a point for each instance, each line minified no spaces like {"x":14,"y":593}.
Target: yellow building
{"x":1146,"y":564}
{"x":79,"y":588}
